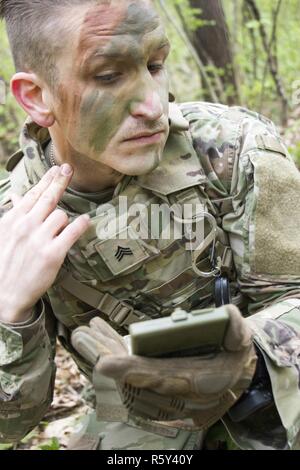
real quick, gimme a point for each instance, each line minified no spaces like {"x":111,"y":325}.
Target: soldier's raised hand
{"x":35,"y":237}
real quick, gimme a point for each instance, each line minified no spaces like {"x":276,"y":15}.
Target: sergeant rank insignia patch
{"x":121,"y":252}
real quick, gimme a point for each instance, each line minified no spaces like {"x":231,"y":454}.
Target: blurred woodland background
{"x":243,"y":52}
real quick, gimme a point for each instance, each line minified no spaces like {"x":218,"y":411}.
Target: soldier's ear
{"x":29,"y":92}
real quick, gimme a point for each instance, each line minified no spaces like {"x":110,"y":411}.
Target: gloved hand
{"x":195,"y":390}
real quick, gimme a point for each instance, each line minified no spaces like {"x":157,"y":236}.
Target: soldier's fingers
{"x":72,"y":233}
{"x":49,"y":199}
{"x":98,"y":324}
{"x":15,"y":199}
{"x":55,"y":223}
{"x":142,"y":372}
{"x":120,"y":367}
{"x":238,"y":334}
{"x":87,"y":346}
{"x":33,"y":195}
{"x":111,"y":345}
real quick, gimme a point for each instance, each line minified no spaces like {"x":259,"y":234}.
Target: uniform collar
{"x":177,"y":122}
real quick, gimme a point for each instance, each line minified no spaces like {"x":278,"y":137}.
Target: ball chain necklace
{"x":51,"y":155}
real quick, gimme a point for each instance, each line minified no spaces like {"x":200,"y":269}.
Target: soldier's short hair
{"x":36,"y":33}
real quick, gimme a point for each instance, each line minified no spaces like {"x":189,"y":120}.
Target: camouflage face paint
{"x":139,"y":20}
{"x":119,"y":76}
{"x":102,"y":116}
{"x":106,"y":112}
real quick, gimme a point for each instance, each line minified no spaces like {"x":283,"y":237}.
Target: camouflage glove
{"x":195,"y":390}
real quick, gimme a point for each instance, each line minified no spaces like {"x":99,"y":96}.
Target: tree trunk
{"x":213,"y":46}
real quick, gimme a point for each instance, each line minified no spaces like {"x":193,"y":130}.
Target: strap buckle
{"x":119,"y":312}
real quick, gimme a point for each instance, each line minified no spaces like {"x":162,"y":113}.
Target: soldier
{"x":91,"y":76}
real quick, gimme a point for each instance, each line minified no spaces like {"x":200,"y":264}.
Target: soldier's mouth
{"x":146,"y":138}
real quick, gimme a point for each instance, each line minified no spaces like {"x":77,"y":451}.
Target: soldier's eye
{"x":108,"y":78}
{"x":156,"y":67}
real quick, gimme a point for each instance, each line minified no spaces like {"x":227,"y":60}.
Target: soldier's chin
{"x":140,"y":165}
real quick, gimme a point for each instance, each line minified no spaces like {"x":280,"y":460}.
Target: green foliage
{"x":192,"y":16}
{"x":6,"y":446}
{"x":218,"y":438}
{"x":185,"y":81}
{"x":258,"y":89}
{"x":295,"y":151}
{"x":53,"y":444}
{"x":11,"y":115}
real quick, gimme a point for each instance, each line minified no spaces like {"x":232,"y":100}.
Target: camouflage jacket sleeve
{"x":255,"y":185}
{"x":26,"y":368}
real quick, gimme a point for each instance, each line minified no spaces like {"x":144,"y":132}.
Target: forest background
{"x":238,"y":52}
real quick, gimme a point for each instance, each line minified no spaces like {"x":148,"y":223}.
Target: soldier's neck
{"x":89,"y":175}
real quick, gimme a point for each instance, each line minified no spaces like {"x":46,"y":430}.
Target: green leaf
{"x":253,"y":24}
{"x":218,"y":438}
{"x":51,"y":445}
{"x":6,"y":446}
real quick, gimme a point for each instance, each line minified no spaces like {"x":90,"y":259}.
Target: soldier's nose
{"x":149,"y":107}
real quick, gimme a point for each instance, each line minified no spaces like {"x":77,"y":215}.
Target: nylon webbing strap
{"x":117,"y":311}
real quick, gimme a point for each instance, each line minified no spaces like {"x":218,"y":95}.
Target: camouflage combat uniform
{"x":231,"y":162}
